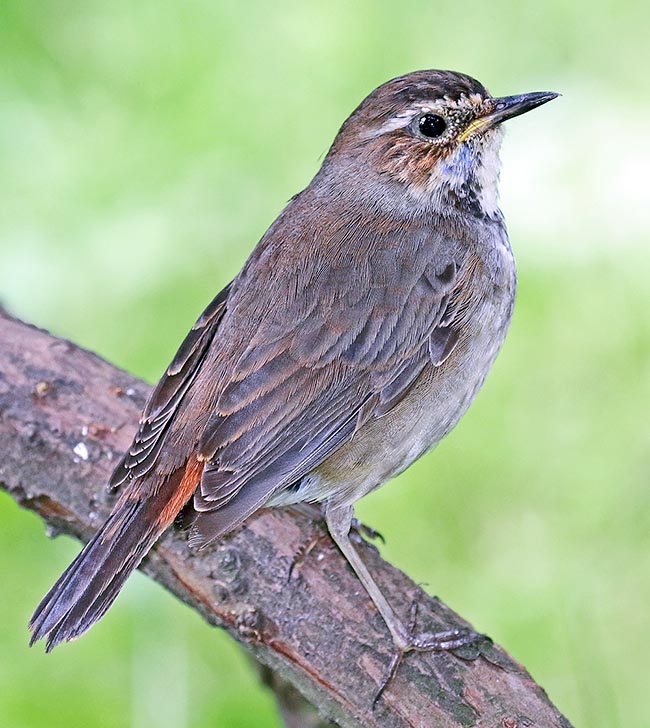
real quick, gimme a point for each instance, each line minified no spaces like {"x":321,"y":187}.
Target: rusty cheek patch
{"x":408,"y":159}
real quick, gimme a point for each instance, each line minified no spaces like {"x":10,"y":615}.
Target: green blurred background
{"x":144,"y":149}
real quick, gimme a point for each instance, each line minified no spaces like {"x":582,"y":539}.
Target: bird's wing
{"x":343,"y":337}
{"x":164,"y":401}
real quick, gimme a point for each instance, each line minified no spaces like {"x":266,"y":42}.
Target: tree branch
{"x":65,"y":415}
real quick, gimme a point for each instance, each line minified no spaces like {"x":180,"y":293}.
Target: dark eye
{"x":432,"y":125}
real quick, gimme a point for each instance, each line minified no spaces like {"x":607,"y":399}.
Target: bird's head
{"x":432,"y":137}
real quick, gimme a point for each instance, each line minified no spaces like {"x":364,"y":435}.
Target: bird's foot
{"x":360,"y":533}
{"x":407,"y":640}
{"x":302,"y":553}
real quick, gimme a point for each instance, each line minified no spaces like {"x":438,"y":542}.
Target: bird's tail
{"x":88,"y":587}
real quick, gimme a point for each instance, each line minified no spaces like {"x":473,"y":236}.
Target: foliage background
{"x":145,"y":147}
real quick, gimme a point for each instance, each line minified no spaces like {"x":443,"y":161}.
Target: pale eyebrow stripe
{"x":403,"y":118}
{"x":399,"y":121}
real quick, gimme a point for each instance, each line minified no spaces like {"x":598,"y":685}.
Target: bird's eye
{"x":432,"y":125}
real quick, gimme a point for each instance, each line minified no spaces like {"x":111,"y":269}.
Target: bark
{"x":66,"y":415}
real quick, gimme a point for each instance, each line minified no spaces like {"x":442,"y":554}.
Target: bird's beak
{"x":500,"y":109}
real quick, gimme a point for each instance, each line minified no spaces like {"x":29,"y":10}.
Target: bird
{"x":353,"y":339}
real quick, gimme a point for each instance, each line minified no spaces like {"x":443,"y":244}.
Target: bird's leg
{"x":339,"y":520}
{"x":358,"y":531}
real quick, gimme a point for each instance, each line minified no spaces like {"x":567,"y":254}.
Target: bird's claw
{"x":301,"y":554}
{"x":451,"y":639}
{"x":408,"y":641}
{"x":360,"y":532}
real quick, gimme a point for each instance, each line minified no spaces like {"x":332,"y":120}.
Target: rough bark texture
{"x":65,"y":415}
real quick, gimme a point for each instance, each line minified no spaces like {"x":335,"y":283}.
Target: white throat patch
{"x":470,"y":172}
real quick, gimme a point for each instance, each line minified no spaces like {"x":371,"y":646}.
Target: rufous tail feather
{"x":88,"y":587}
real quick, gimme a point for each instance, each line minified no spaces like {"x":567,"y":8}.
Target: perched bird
{"x":351,"y":342}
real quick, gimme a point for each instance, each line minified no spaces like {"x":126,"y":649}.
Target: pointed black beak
{"x":506,"y":107}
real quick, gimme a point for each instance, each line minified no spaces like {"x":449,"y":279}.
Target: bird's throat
{"x":467,"y":179}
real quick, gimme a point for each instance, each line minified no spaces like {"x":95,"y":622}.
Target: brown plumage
{"x":351,"y":342}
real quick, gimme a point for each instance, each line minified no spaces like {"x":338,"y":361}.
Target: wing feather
{"x":341,"y":345}
{"x":165,"y":399}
